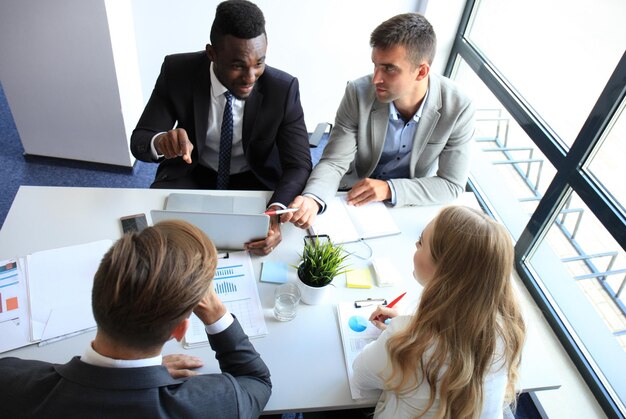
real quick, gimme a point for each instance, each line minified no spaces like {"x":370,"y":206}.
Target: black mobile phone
{"x":136,"y":222}
{"x":322,"y":238}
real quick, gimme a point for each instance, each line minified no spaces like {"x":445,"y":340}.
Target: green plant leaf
{"x":321,"y":262}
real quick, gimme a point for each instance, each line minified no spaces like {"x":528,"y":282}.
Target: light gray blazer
{"x":440,"y":158}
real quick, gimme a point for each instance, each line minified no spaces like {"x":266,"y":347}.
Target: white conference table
{"x":305,"y":355}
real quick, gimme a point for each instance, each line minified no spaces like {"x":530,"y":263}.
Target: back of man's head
{"x":239,"y":18}
{"x":148,"y":282}
{"x":411,"y":31}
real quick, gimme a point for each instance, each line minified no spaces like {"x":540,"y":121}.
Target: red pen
{"x":398,"y":298}
{"x":390,"y":305}
{"x":280,"y":211}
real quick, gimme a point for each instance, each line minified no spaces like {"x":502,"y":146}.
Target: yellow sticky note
{"x":359,"y":278}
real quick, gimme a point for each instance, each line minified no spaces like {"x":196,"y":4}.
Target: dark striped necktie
{"x":226,"y":144}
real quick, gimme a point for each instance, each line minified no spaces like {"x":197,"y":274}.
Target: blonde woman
{"x":458,"y":355}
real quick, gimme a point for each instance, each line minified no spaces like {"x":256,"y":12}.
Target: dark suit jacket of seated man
{"x":144,"y":291}
{"x":195,"y":91}
{"x":238,"y":123}
{"x":274,"y":136}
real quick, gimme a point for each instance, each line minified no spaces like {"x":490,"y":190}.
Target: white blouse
{"x":372,"y":366}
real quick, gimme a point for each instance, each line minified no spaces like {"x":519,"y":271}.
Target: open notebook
{"x":345,"y":223}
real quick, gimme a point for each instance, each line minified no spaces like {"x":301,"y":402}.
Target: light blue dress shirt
{"x":396,"y":155}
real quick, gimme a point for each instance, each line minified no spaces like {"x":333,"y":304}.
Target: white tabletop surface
{"x":305,"y":356}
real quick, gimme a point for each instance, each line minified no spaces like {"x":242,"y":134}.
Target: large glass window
{"x":609,"y":163}
{"x":558,"y":53}
{"x":595,"y":266}
{"x":549,"y":83}
{"x":583,"y":269}
{"x":499,"y":138}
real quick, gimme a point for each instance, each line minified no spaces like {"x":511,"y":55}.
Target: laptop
{"x":212,"y":203}
{"x":226,"y":231}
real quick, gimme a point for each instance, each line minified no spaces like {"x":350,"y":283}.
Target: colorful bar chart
{"x":9,"y":282}
{"x":225,"y":287}
{"x":12,"y":304}
{"x":225,"y":278}
{"x":234,"y":282}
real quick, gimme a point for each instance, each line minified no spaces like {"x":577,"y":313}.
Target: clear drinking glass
{"x":286,"y":300}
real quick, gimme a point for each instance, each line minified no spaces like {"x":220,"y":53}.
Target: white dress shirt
{"x":94,"y":358}
{"x":209,"y":147}
{"x":209,"y":150}
{"x":372,"y":367}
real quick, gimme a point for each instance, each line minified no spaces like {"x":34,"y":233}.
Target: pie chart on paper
{"x":357,"y":323}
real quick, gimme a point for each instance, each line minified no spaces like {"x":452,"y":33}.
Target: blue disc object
{"x":357,"y":323}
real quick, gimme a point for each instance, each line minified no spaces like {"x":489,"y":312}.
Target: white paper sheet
{"x":14,"y":324}
{"x":237,"y":288}
{"x":59,"y":289}
{"x":356,"y":332}
{"x":345,"y":223}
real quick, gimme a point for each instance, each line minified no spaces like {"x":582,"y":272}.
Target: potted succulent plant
{"x":321,"y":262}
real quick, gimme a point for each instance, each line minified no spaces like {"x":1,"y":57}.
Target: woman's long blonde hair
{"x":464,"y":310}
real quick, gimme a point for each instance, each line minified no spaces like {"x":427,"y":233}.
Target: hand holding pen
{"x":382,"y":314}
{"x":280,"y":211}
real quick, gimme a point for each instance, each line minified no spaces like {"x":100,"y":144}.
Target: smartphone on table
{"x":136,"y":222}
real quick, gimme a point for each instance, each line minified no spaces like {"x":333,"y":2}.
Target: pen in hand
{"x":390,"y":305}
{"x":280,"y":211}
{"x":398,"y":298}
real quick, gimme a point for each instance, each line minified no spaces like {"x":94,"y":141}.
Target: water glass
{"x":286,"y":300}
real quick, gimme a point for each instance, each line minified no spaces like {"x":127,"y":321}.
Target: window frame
{"x":571,"y":175}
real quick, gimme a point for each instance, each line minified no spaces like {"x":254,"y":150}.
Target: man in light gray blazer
{"x":401,"y":135}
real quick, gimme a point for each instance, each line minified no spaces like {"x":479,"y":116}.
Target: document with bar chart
{"x":14,"y":324}
{"x":236,"y":286}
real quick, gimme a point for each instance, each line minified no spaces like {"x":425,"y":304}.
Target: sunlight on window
{"x":559,"y":53}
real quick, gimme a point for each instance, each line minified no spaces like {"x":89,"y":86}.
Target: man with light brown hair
{"x":146,"y":287}
{"x":401,"y":135}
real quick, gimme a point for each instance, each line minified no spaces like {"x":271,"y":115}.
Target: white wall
{"x":324,"y":43}
{"x":58,"y":70}
{"x":77,"y":73}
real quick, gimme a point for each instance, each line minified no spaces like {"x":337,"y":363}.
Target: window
{"x":503,"y":143}
{"x":559,"y":53}
{"x":549,"y":84}
{"x":608,"y":165}
{"x":581,"y":267}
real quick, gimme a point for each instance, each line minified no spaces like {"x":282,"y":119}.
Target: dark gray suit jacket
{"x":79,"y":390}
{"x":275,"y":139}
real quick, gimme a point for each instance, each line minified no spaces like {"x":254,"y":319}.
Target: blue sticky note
{"x":275,"y":272}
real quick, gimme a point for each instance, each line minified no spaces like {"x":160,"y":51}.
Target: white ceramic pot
{"x":314,"y":295}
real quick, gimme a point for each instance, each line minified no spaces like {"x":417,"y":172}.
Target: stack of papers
{"x":14,"y":329}
{"x":235,"y":285}
{"x":47,"y":295}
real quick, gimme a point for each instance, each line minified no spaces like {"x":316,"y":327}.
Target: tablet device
{"x":213,"y":203}
{"x":226,"y":231}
